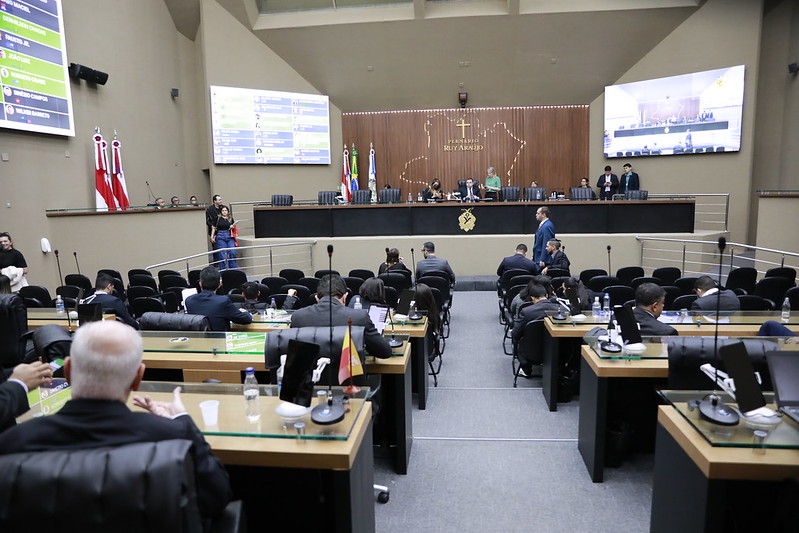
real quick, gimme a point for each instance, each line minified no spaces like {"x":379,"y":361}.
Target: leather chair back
{"x":327,"y":197}
{"x":147,"y":486}
{"x":277,"y":343}
{"x":13,"y":323}
{"x":362,"y":197}
{"x":390,"y":196}
{"x":282,"y":199}
{"x":636,"y":195}
{"x":581,"y":193}
{"x":153,"y":321}
{"x":509,"y":194}
{"x":535,"y":194}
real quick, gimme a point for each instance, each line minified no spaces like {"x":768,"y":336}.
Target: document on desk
{"x":378,"y":315}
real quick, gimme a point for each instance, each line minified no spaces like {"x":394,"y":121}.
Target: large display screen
{"x":253,"y":126}
{"x":33,"y":68}
{"x":688,"y":114}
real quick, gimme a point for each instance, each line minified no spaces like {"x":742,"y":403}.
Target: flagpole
{"x":352,"y":388}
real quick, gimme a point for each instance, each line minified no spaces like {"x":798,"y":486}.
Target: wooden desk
{"x":693,"y":480}
{"x":395,"y":415}
{"x":595,"y":375}
{"x":341,"y":470}
{"x":738,"y":326}
{"x":38,"y":317}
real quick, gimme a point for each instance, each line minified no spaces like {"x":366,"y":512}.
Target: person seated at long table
{"x":469,"y":192}
{"x":433,"y":192}
{"x":393,"y":263}
{"x":650,"y":300}
{"x":710,"y":297}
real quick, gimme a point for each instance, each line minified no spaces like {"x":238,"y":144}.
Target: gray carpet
{"x":487,"y":457}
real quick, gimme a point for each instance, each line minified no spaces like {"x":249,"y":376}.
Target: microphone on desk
{"x":58,"y":263}
{"x":610,"y":273}
{"x":711,"y":408}
{"x":332,"y":411}
{"x":76,"y":261}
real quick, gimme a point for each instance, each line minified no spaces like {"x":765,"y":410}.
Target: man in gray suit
{"x":710,"y":296}
{"x":431,"y":262}
{"x":649,"y":302}
{"x":331,"y":298}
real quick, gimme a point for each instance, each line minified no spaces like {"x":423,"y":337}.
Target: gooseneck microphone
{"x":610,"y":272}
{"x":330,"y":412}
{"x":712,"y":408}
{"x":76,"y":261}
{"x":151,"y":197}
{"x":58,"y":263}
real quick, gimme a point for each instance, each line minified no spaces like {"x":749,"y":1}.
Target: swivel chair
{"x":362,"y":197}
{"x":327,"y":197}
{"x":509,"y":194}
{"x":389,"y":196}
{"x":535,"y":194}
{"x":282,"y":200}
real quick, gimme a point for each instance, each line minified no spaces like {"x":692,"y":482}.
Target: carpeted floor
{"x":488,"y":457}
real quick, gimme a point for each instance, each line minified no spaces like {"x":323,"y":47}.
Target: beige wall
{"x":236,"y":58}
{"x":721,"y":33}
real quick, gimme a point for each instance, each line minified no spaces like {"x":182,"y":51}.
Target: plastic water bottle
{"x":357,"y":304}
{"x":410,"y":198}
{"x":596,"y":308}
{"x":786,"y":310}
{"x":606,"y":305}
{"x":419,"y":197}
{"x":271,"y":311}
{"x":60,"y":311}
{"x":251,"y":393}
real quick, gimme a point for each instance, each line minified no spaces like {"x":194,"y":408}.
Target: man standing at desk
{"x":104,"y":366}
{"x":431,"y":262}
{"x":650,"y":299}
{"x":220,"y":310}
{"x":607,"y":184}
{"x":629,"y":180}
{"x":543,"y":234}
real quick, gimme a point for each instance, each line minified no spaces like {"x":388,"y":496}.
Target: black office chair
{"x":629,"y":273}
{"x":362,"y":197}
{"x":304,"y":295}
{"x":557,"y":273}
{"x":137,"y":291}
{"x":752,"y":302}
{"x":793,"y":297}
{"x":396,"y":280}
{"x":644,"y":279}
{"x":327,"y":197}
{"x":672,"y":293}
{"x":13,"y":324}
{"x":147,"y":486}
{"x":362,"y":273}
{"x":782,"y":272}
{"x":619,"y":294}
{"x":744,"y":278}
{"x":353,"y":284}
{"x":509,"y":193}
{"x":667,"y":275}
{"x":684,"y":301}
{"x":143,"y":305}
{"x":687,"y":354}
{"x":325,"y":272}
{"x":443,"y":285}
{"x":232,"y":279}
{"x":773,"y":289}
{"x":589,"y":273}
{"x":69,"y":291}
{"x":275,"y":284}
{"x":535,"y":194}
{"x":581,"y":193}
{"x":79,"y":280}
{"x":138,"y":271}
{"x":391,"y":296}
{"x":389,"y":196}
{"x":154,"y":321}
{"x":503,"y":284}
{"x":291,"y":274}
{"x":598,"y":283}
{"x":531,"y":345}
{"x":111,"y":272}
{"x":194,"y":278}
{"x":311,"y":282}
{"x":636,"y":195}
{"x":39,"y":293}
{"x":282,"y":200}
{"x":508,"y":315}
{"x":167,"y":282}
{"x":686,"y":284}
{"x":140,"y":280}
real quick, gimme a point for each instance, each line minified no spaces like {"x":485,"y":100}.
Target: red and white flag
{"x":104,"y":195}
{"x":346,"y":191}
{"x":118,"y":185}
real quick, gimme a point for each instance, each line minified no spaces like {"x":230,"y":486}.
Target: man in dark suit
{"x":607,"y":184}
{"x":517,"y":261}
{"x":104,"y":287}
{"x":331,"y":298}
{"x":469,"y":192}
{"x":104,"y":366}
{"x":543,"y":234}
{"x":629,"y":180}
{"x":14,"y":387}
{"x":536,"y":311}
{"x":212,"y":214}
{"x":555,"y":258}
{"x":709,"y":297}
{"x":649,"y":302}
{"x":431,"y":262}
{"x":219,"y":309}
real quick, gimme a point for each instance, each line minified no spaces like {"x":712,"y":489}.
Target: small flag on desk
{"x":104,"y":195}
{"x":354,"y":169}
{"x":345,"y":176}
{"x":372,"y":175}
{"x":119,"y":187}
{"x":350,"y":364}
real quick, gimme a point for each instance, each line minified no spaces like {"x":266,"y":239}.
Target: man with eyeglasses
{"x":650,"y":299}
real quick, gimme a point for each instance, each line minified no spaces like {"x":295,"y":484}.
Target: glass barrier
{"x":784,"y":435}
{"x":563,"y":318}
{"x":658,"y":347}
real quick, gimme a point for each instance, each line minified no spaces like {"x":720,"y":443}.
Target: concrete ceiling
{"x":543,"y":58}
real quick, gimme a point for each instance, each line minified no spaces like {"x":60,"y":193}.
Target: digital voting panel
{"x":33,"y":68}
{"x":252,"y":126}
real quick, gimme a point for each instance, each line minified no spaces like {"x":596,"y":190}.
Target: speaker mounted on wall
{"x":83,"y":72}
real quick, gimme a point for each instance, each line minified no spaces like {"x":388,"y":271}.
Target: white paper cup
{"x":210,"y":410}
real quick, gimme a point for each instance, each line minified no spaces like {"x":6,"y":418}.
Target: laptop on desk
{"x":784,"y":370}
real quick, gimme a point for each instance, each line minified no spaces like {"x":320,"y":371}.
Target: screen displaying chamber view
{"x":253,"y":126}
{"x":33,"y":68}
{"x":688,"y":114}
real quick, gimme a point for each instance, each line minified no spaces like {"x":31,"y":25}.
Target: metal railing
{"x":257,"y":261}
{"x":695,"y":257}
{"x":712,"y":209}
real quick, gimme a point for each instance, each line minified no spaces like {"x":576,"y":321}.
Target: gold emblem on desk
{"x":467,"y":220}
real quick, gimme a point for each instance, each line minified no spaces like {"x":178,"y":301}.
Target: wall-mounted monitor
{"x":254,"y":126}
{"x":33,"y":68}
{"x":695,"y":113}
